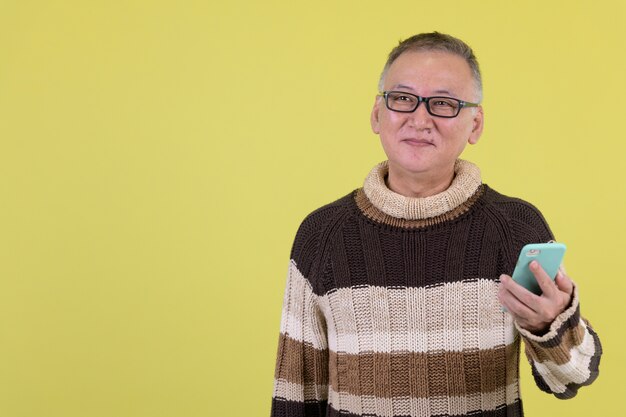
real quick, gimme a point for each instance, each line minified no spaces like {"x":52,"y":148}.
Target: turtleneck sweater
{"x":391,"y":308}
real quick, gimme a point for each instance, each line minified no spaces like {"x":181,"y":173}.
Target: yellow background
{"x":156,"y":159}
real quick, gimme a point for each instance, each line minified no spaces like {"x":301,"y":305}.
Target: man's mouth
{"x":419,"y":142}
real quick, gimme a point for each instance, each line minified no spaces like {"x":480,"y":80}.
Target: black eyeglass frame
{"x":420,"y":99}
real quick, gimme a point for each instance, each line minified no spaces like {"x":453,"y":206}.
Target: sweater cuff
{"x":569,"y":318}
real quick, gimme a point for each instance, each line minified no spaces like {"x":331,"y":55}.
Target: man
{"x":397,"y":300}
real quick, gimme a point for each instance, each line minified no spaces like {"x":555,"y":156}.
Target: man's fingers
{"x":564,"y":283}
{"x":545,"y":282}
{"x":517,"y":308}
{"x":520,"y":293}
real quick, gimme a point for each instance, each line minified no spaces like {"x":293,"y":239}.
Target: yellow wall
{"x":156,"y":159}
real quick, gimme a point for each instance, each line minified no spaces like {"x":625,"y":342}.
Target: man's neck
{"x":418,"y":185}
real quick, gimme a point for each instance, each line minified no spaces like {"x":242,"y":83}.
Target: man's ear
{"x":374,"y":117}
{"x":477,"y":126}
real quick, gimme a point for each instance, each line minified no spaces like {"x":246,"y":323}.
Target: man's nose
{"x":420,"y":117}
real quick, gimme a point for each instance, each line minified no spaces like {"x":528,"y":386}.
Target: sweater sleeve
{"x":301,"y":375}
{"x":567,"y":357}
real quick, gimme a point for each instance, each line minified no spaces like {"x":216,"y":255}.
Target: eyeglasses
{"x":437,"y":106}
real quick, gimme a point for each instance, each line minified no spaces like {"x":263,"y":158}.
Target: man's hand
{"x":534,"y":312}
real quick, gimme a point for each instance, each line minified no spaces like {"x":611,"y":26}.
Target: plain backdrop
{"x":157,"y":157}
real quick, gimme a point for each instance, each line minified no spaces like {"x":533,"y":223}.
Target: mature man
{"x":397,"y":300}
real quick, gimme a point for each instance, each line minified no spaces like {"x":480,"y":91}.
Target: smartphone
{"x":549,"y":256}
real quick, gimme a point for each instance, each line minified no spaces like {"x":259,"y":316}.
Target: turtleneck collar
{"x":466,"y":182}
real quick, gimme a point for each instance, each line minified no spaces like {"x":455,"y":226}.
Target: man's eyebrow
{"x":406,"y":87}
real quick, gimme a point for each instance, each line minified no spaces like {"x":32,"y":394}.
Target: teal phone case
{"x":549,"y":256}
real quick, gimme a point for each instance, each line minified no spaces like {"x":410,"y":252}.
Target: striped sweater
{"x":391,"y":308}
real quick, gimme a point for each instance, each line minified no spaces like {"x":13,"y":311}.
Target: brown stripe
{"x":301,"y":363}
{"x":423,"y":375}
{"x":512,"y":363}
{"x":558,"y":354}
{"x":386,"y":375}
{"x":492,"y":376}
{"x":372,"y":212}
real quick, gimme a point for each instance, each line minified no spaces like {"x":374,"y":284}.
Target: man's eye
{"x":404,"y":98}
{"x":443,"y":103}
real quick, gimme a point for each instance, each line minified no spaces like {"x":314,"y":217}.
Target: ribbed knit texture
{"x":391,"y":308}
{"x":466,"y":181}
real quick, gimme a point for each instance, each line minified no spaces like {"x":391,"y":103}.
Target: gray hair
{"x":436,"y":41}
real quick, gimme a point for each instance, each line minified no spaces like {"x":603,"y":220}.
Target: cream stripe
{"x":416,"y":342}
{"x":294,"y":329}
{"x":387,"y":407}
{"x":301,"y":319}
{"x":379,"y":319}
{"x":575,"y":371}
{"x":297,"y":392}
{"x":385,"y":320}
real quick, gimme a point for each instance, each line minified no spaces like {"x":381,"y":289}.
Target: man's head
{"x":415,"y":139}
{"x":436,"y":41}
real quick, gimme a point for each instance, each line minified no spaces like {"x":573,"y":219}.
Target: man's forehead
{"x":441,"y":72}
{"x":425,"y":56}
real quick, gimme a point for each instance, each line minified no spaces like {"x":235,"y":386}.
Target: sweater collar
{"x":466,"y":182}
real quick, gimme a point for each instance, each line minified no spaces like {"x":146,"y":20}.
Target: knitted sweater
{"x":391,"y":308}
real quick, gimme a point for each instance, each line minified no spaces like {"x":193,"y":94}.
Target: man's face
{"x":419,"y":142}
